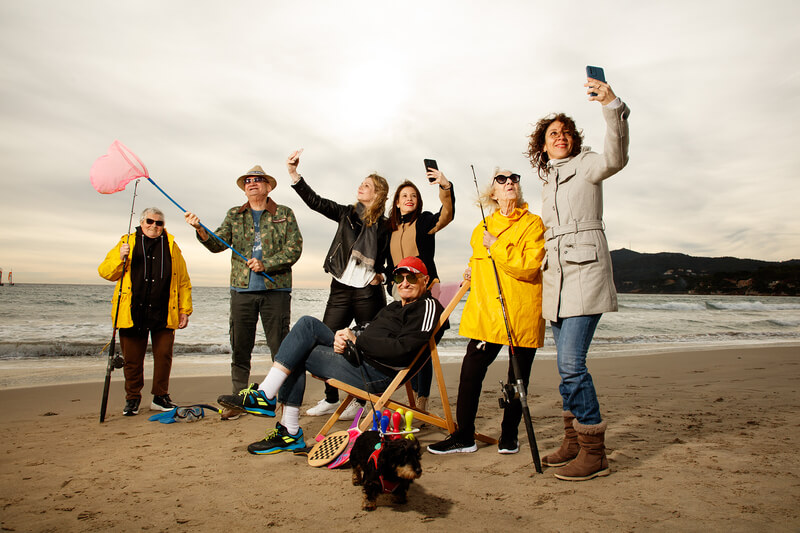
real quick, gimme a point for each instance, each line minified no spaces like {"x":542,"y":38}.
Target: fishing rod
{"x":117,"y":361}
{"x":519,"y":388}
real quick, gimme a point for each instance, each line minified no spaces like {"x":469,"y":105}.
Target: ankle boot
{"x":591,"y":461}
{"x":422,"y":403}
{"x":569,"y":446}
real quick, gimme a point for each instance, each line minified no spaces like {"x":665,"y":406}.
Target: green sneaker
{"x":250,"y":400}
{"x":278,"y":440}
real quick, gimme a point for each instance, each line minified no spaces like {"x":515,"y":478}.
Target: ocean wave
{"x":725,"y":336}
{"x":753,"y":306}
{"x":666,"y":306}
{"x":787,"y":323}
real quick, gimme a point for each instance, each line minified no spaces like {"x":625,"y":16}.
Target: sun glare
{"x":368,"y":100}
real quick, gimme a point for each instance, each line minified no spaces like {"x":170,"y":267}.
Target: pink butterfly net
{"x":110,"y":173}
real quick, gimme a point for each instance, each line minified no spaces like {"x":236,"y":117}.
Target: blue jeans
{"x":309,"y":347}
{"x":573,"y":335}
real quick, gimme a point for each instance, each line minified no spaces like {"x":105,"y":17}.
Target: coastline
{"x":697,"y":441}
{"x":18,"y":373}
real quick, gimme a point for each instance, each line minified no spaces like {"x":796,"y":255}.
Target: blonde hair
{"x":485,"y":199}
{"x":374,"y":212}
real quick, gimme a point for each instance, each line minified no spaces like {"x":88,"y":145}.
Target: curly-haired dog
{"x":384,"y":466}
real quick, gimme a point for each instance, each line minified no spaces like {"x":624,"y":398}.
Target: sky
{"x":202,"y":90}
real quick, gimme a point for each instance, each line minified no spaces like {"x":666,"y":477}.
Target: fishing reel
{"x":118,"y":361}
{"x":509,"y":394}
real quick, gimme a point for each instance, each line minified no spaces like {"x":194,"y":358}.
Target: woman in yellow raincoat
{"x":515,"y":239}
{"x":156,"y":300}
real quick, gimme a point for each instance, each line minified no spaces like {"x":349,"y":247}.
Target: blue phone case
{"x":595,"y":73}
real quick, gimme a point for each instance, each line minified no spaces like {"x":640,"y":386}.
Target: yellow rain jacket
{"x":518,"y":252}
{"x":180,"y":286}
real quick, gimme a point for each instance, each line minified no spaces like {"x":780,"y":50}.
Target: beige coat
{"x":578,"y":279}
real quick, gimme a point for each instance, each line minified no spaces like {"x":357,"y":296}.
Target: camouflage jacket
{"x":281,"y":243}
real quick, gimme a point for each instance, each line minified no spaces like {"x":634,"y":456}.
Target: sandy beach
{"x":697,"y":441}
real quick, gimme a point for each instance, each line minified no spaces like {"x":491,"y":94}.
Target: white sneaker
{"x":350,"y":412}
{"x":322,"y":408}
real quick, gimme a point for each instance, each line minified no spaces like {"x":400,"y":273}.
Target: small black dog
{"x":387,"y":466}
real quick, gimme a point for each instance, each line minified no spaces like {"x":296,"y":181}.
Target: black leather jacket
{"x":350,"y":225}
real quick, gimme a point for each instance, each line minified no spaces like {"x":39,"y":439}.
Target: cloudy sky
{"x":201,"y":91}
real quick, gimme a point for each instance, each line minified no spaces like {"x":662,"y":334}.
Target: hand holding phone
{"x":430,"y":164}
{"x":596,"y":73}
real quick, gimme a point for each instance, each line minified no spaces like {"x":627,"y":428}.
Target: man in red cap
{"x":367,"y":356}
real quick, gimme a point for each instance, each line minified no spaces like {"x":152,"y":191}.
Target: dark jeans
{"x":473,"y":370}
{"x":134,"y":346}
{"x":309,"y":347}
{"x":274,"y":308}
{"x":421,"y":382}
{"x":346,"y":304}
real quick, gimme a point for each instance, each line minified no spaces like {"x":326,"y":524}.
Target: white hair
{"x":486,"y":200}
{"x":150,"y":211}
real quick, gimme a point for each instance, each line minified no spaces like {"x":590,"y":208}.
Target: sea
{"x":60,"y":333}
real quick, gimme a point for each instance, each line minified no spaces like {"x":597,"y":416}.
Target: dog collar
{"x":388,"y":486}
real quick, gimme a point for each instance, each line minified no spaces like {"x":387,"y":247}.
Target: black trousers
{"x":473,"y":369}
{"x":346,"y":304}
{"x":274,"y":309}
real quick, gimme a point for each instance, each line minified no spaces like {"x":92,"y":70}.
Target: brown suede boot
{"x":569,"y":446}
{"x":591,"y":461}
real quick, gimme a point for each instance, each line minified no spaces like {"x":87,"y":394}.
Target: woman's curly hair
{"x":536,"y":153}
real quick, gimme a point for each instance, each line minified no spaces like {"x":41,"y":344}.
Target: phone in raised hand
{"x":596,"y":73}
{"x":430,"y":164}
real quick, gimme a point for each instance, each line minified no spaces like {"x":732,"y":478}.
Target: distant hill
{"x":665,"y":272}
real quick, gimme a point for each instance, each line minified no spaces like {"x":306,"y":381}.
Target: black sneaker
{"x":452,"y":444}
{"x":507,"y":445}
{"x":131,"y":407}
{"x":278,"y":440}
{"x":162,"y":403}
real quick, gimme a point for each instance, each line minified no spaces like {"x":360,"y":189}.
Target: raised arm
{"x":323,"y":206}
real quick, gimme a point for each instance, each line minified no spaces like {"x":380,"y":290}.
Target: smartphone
{"x":430,"y":163}
{"x":596,"y":73}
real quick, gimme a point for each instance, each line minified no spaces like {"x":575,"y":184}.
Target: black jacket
{"x":350,"y":225}
{"x":426,"y":243}
{"x":390,"y":342}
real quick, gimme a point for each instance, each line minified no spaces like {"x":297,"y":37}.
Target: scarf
{"x":365,"y":248}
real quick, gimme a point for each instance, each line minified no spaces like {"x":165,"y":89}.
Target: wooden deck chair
{"x":385,"y":401}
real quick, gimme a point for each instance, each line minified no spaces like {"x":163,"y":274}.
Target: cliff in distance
{"x":674,"y":273}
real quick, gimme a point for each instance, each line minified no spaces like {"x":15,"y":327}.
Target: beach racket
{"x":353,"y":432}
{"x":328,"y":449}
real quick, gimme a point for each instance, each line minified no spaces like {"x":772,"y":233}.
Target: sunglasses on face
{"x":501,"y":179}
{"x":411,"y":278}
{"x":150,"y":222}
{"x":255,"y":179}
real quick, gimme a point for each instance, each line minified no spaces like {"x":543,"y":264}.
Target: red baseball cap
{"x":412,"y":264}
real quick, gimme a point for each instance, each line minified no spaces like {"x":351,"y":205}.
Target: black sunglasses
{"x":411,"y":278}
{"x":255,"y":179}
{"x":150,"y":221}
{"x":501,"y":179}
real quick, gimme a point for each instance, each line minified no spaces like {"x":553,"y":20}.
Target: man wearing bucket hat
{"x":266,"y":233}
